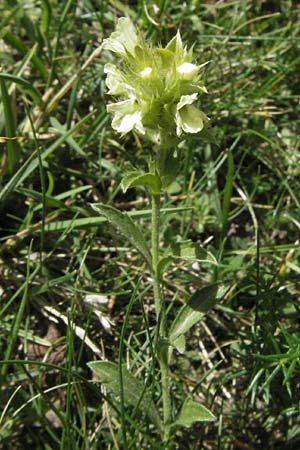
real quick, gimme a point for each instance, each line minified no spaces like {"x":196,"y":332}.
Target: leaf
{"x":188,"y":250}
{"x":87,"y":222}
{"x":185,"y":250}
{"x":136,"y":178}
{"x":198,"y":305}
{"x":162,"y":264}
{"x":127,"y":227}
{"x":133,"y":389}
{"x":191,"y":412}
{"x":179,"y":343}
{"x":22,"y":83}
{"x":13,"y":149}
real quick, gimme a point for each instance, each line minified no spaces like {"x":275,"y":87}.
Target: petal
{"x":126,"y":123}
{"x":124,"y":39}
{"x":116,"y":83}
{"x":114,"y":80}
{"x":127,"y":116}
{"x":189,"y":119}
{"x":122,"y":108}
{"x":187,"y":71}
{"x":186,"y":100}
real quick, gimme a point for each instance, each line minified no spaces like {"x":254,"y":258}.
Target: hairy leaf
{"x":136,"y":178}
{"x":191,"y":412}
{"x":133,"y":390}
{"x":198,"y":305}
{"x":127,"y":227}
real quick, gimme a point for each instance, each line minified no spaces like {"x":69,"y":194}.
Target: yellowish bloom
{"x":158,"y":87}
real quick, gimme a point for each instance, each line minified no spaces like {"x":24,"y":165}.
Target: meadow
{"x":73,"y":290}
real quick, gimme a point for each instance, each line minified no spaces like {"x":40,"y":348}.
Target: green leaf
{"x":185,"y":250}
{"x":88,"y":222}
{"x":136,"y":178}
{"x":191,"y":412}
{"x":198,"y":305}
{"x":133,"y":390}
{"x":127,"y":227}
{"x":179,"y":343}
{"x":162,"y":264}
{"x":13,"y":150}
{"x":188,"y":250}
{"x":22,"y":83}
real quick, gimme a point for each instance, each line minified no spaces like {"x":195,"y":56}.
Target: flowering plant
{"x":157,"y":89}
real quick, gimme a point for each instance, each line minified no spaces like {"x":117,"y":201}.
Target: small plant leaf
{"x":198,"y":305}
{"x":179,"y":343}
{"x":191,"y":412}
{"x":133,"y":390}
{"x":187,"y":250}
{"x":136,"y":178}
{"x":13,"y":149}
{"x":127,"y":227}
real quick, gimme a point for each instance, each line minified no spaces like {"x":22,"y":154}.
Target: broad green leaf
{"x":190,"y":251}
{"x":198,"y":305}
{"x":127,"y":227}
{"x":185,"y":250}
{"x":88,"y":222}
{"x":174,"y":188}
{"x":136,"y":178}
{"x":191,"y":412}
{"x":133,"y":390}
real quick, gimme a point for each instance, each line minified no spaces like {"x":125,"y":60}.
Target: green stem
{"x":160,"y":317}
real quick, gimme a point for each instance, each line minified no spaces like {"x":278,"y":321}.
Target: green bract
{"x":157,"y":87}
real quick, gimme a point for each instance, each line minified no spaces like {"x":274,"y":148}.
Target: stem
{"x":160,"y":317}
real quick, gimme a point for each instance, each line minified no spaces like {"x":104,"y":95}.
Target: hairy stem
{"x":160,"y":316}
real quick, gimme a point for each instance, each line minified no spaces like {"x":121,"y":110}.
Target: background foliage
{"x":68,"y":279}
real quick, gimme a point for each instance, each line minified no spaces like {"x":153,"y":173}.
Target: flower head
{"x":157,"y":87}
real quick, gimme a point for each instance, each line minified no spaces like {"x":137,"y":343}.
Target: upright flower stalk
{"x":157,"y":90}
{"x":160,"y":316}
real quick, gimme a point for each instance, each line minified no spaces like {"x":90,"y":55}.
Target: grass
{"x":238,"y":199}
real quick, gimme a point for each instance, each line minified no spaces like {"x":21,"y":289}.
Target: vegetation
{"x":74,"y":291}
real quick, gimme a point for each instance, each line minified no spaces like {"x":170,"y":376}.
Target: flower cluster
{"x":157,"y":87}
